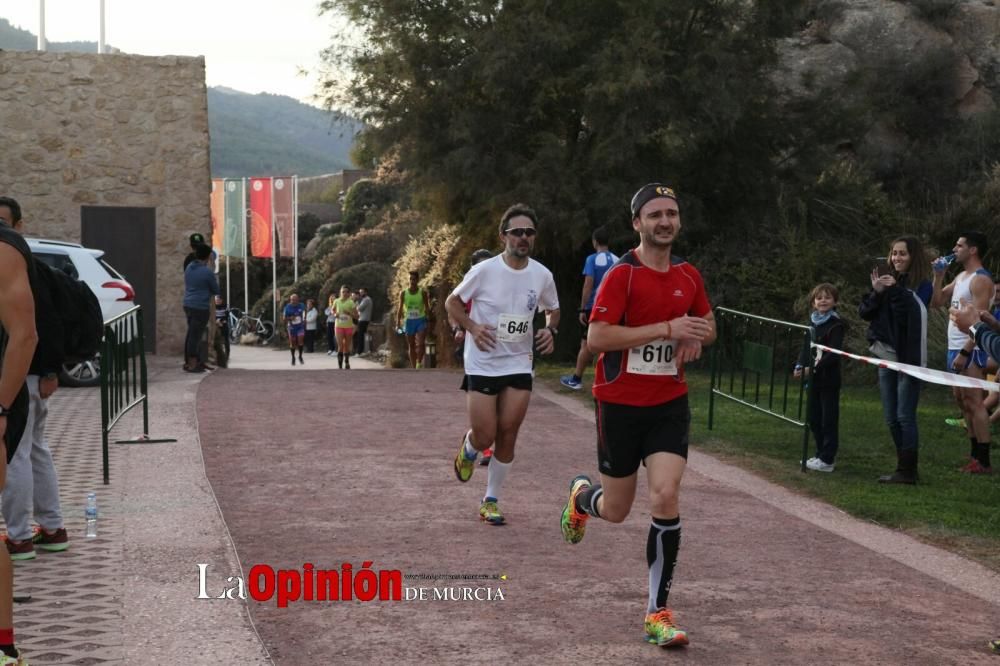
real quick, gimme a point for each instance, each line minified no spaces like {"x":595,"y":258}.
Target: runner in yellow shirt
{"x":413,"y":302}
{"x":345,"y":313}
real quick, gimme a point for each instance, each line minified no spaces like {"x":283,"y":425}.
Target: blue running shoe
{"x":571,"y":382}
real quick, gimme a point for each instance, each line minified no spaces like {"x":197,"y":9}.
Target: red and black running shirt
{"x":633,"y":294}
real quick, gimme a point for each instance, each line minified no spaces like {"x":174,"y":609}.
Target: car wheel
{"x":84,"y":373}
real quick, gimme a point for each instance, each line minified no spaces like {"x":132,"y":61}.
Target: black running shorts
{"x":493,"y":385}
{"x":627,"y":434}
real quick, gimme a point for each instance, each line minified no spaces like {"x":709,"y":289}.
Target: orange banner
{"x":218,"y":208}
{"x":260,"y":218}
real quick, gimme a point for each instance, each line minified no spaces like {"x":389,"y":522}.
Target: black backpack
{"x":73,"y":308}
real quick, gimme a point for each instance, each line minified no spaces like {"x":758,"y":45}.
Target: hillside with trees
{"x":266,"y":134}
{"x":801,"y":135}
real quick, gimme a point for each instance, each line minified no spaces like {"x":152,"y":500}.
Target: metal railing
{"x":752,"y":361}
{"x":123,"y":375}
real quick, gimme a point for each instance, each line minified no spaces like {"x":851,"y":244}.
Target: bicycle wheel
{"x":265,"y":331}
{"x":238,"y":331}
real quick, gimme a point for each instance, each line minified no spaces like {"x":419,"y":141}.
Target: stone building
{"x":112,"y":151}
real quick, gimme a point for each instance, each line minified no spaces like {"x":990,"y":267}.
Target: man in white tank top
{"x":973,"y":285}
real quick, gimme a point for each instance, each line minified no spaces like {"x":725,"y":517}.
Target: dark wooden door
{"x":128,"y":238}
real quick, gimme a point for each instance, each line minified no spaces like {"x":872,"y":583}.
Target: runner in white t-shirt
{"x":506,"y":291}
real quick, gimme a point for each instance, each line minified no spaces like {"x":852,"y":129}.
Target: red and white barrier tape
{"x":923,"y":374}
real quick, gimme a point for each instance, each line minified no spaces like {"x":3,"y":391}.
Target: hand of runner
{"x":544,"y":342}
{"x":960,"y":363}
{"x":690,"y":328}
{"x":484,"y":337}
{"x":584,"y":319}
{"x":964,"y":316}
{"x":688,"y":350}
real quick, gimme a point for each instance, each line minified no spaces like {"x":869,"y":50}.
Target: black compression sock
{"x":586,"y":502}
{"x":972,"y":447}
{"x":662,"y":545}
{"x":983,"y":453}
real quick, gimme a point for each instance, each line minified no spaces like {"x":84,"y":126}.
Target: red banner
{"x":218,"y":208}
{"x":284,"y":216}
{"x":260,"y":218}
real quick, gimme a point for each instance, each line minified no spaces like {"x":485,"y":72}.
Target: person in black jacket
{"x":17,"y":342}
{"x":983,"y":327}
{"x":896,"y":308}
{"x":824,"y":391}
{"x":32,"y":488}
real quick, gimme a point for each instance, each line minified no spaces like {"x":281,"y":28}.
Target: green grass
{"x":956,"y":511}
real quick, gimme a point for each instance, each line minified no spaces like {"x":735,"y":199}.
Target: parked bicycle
{"x":240,"y":323}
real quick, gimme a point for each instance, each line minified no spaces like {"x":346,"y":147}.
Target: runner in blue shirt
{"x":594,"y":269}
{"x":294,"y":315}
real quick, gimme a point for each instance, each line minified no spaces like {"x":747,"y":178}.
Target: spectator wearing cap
{"x":195,"y":239}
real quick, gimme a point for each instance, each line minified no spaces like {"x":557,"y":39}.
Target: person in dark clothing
{"x":200,"y":286}
{"x":32,"y":488}
{"x":195,"y":239}
{"x":824,"y":389}
{"x":896,"y":309}
{"x":983,"y":327}
{"x":17,"y":346}
{"x":222,"y":342}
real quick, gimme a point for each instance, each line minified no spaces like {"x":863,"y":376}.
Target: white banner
{"x":923,"y":374}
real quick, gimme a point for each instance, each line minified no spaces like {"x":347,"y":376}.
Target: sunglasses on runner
{"x":521,"y":232}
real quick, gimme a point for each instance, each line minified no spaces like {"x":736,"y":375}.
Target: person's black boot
{"x":906,"y":469}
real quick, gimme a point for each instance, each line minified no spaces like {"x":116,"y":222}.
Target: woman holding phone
{"x":896,"y":309}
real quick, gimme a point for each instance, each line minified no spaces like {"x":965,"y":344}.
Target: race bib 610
{"x":654,"y":358}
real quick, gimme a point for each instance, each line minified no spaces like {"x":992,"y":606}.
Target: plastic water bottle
{"x":91,"y":514}
{"x":944,"y":262}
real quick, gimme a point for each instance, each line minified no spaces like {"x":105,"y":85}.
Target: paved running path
{"x":334,"y":466}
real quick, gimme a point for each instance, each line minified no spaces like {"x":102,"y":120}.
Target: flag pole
{"x":246,"y":281}
{"x":41,"y":25}
{"x":295,"y":227}
{"x":274,"y":257}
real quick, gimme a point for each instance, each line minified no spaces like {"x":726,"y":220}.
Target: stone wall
{"x":110,"y":130}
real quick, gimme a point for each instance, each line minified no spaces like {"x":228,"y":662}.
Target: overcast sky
{"x":250,"y":45}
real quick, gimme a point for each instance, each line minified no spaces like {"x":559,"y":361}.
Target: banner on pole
{"x":284,"y":216}
{"x":234,"y":238}
{"x":260,"y":218}
{"x":218,"y":212}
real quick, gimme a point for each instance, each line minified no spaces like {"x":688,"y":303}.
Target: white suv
{"x":113,"y":292}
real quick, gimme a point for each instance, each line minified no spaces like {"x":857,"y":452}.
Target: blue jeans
{"x":900,"y":394}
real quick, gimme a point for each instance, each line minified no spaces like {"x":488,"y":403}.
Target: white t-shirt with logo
{"x":505,"y":300}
